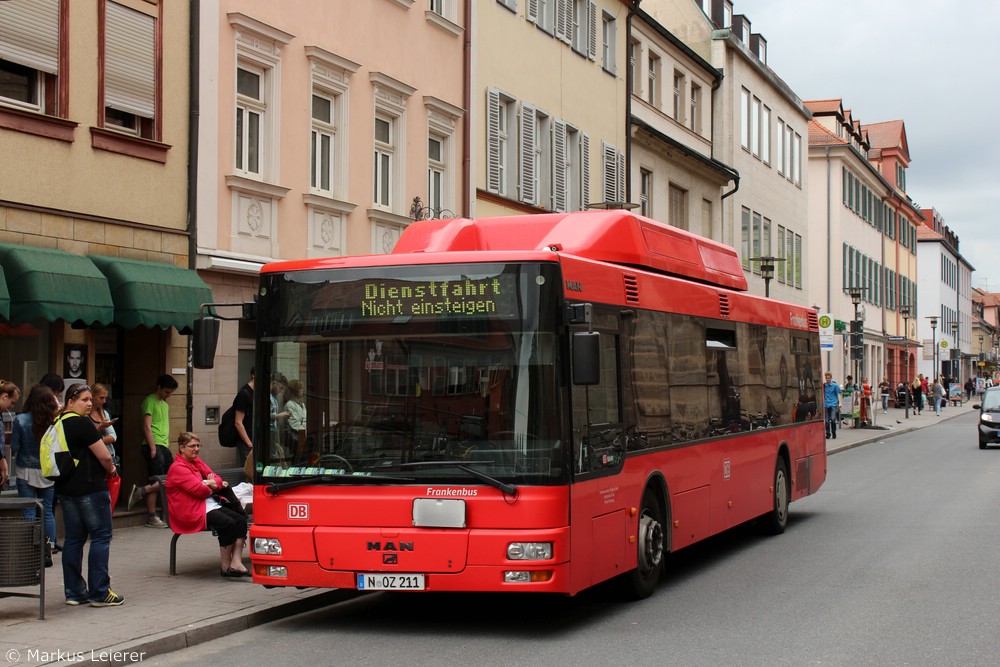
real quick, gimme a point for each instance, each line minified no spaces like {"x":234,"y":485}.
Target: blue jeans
{"x":86,"y":516}
{"x":47,"y":496}
{"x":831,"y":419}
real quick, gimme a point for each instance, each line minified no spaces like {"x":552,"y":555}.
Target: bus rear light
{"x":526,"y":577}
{"x":529,"y":551}
{"x":267,"y":546}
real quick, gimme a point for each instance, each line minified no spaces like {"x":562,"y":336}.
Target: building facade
{"x":312,"y":142}
{"x":94,"y":236}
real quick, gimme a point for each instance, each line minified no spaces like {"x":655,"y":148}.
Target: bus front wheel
{"x":642,"y":581}
{"x":774,"y":522}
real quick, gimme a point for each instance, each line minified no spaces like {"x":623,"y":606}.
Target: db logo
{"x":298,"y":510}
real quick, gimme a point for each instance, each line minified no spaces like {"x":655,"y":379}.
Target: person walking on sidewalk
{"x":831,"y":403}
{"x":155,"y":446}
{"x":937,"y":392}
{"x":243,"y":412}
{"x":86,"y":505}
{"x":883,"y":392}
{"x":40,"y":408}
{"x":917,"y":390}
{"x":199,"y":498}
{"x":105,"y":425}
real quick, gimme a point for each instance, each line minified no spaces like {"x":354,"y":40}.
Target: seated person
{"x":198,"y":498}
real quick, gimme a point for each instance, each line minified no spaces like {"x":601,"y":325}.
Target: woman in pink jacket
{"x":193,"y":496}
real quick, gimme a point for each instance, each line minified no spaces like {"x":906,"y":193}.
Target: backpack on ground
{"x":53,"y":451}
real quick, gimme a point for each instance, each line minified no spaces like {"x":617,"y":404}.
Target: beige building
{"x":548,"y":105}
{"x":673,"y":175}
{"x":316,"y":140}
{"x":94,"y":238}
{"x":759,"y":129}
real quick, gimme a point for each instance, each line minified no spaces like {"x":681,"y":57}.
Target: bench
{"x":232,"y":475}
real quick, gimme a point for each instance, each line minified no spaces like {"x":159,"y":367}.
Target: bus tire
{"x":642,"y":581}
{"x":775,"y":521}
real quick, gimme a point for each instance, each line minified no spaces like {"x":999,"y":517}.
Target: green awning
{"x":4,"y":297}
{"x":54,"y":284}
{"x":152,"y":294}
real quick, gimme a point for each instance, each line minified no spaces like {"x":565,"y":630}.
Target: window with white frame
{"x":535,"y":175}
{"x":542,"y":14}
{"x":331,"y":73}
{"x":765,"y":134}
{"x":29,"y":55}
{"x":755,"y":127}
{"x":435,"y":175}
{"x":745,"y":249}
{"x":652,"y":79}
{"x":646,"y":192}
{"x":251,"y":107}
{"x":561,"y":174}
{"x":389,"y":141}
{"x":613,"y":168}
{"x":780,"y":270}
{"x":584,"y":27}
{"x":778,"y":147}
{"x":501,"y":143}
{"x":509,"y":4}
{"x":695,"y":120}
{"x":745,"y":118}
{"x":437,"y":6}
{"x":678,"y":111}
{"x":634,"y":51}
{"x":678,"y":207}
{"x":385,"y":151}
{"x":578,"y":154}
{"x":608,"y":42}
{"x":129,"y":71}
{"x":797,"y":159}
{"x":324,"y":133}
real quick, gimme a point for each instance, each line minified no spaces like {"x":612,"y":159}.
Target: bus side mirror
{"x":586,"y":358}
{"x":205,"y":340}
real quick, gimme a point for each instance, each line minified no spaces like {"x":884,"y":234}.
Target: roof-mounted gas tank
{"x":616,"y":236}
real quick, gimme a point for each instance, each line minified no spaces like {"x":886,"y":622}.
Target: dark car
{"x":989,"y":417}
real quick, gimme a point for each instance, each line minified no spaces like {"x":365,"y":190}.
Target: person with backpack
{"x":155,"y":447}
{"x":86,"y":505}
{"x":40,"y":408}
{"x":243,"y":418}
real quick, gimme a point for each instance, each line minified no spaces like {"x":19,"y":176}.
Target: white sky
{"x":927,"y":62}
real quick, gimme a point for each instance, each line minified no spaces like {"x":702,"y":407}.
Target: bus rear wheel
{"x":642,"y":581}
{"x":775,"y":521}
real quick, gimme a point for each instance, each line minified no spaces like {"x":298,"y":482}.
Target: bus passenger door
{"x":597,"y":505}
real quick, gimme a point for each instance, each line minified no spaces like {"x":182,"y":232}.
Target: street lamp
{"x":934,"y":350}
{"x":767,"y":264}
{"x":857,"y":340}
{"x":904,"y":311}
{"x":955,"y":368}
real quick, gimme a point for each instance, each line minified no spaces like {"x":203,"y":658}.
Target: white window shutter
{"x":559,"y":164}
{"x":621,"y":177}
{"x":29,"y":34}
{"x":529,"y":123}
{"x":609,"y":165}
{"x":584,"y":171}
{"x":130,"y":61}
{"x":592,"y":30}
{"x":493,"y":140}
{"x":531,"y":11}
{"x":564,"y":20}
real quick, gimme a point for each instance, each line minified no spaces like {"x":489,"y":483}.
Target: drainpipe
{"x":829,"y":241}
{"x":467,"y":121}
{"x":628,"y":101}
{"x":192,"y":194}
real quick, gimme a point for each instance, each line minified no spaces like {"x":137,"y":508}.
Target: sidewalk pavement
{"x":164,"y":613}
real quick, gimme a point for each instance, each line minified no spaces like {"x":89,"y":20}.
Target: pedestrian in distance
{"x":9,"y":394}
{"x":917,"y":390}
{"x":200,"y":499}
{"x":937,"y":392}
{"x":884,"y":390}
{"x":86,"y":505}
{"x":105,"y":425}
{"x":40,"y":408}
{"x":243,"y":412}
{"x":831,"y":403}
{"x":155,"y":447}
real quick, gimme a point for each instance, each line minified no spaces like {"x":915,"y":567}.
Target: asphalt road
{"x":892,"y":562}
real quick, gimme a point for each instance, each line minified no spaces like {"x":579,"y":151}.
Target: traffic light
{"x":857,"y":340}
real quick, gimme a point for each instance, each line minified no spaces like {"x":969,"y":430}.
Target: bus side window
{"x":597,"y":432}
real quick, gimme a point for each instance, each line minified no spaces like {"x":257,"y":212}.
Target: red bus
{"x":526,"y":403}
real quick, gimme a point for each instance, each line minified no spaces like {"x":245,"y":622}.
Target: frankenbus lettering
{"x":465,"y":297}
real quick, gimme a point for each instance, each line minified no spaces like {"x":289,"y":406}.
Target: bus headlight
{"x":529,"y":551}
{"x":267,"y":546}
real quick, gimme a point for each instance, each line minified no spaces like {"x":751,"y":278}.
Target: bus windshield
{"x":417,"y":374}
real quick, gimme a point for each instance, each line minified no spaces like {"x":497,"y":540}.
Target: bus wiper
{"x":509,"y":489}
{"x":274,"y":488}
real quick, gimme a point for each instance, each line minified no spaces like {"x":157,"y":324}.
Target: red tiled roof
{"x":889,"y":134}
{"x":925,"y":232}
{"x":820,"y":136}
{"x":824,"y":106}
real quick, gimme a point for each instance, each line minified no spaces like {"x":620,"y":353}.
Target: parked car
{"x":989,"y":417}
